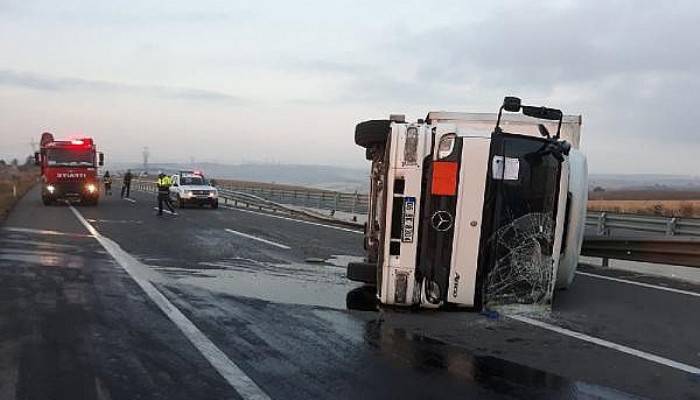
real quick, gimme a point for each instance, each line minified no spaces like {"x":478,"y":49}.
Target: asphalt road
{"x":114,"y":302}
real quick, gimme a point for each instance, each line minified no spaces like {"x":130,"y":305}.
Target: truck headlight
{"x":188,"y":193}
{"x":212,"y":193}
{"x":446,"y":145}
{"x":91,"y":188}
{"x":50,"y":188}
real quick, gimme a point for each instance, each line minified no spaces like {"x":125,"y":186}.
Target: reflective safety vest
{"x":164,"y":183}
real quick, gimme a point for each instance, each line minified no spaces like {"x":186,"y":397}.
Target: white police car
{"x":190,"y":187}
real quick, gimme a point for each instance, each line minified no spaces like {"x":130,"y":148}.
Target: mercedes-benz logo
{"x":442,"y":221}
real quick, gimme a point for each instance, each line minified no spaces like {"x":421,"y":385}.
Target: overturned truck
{"x":472,"y":209}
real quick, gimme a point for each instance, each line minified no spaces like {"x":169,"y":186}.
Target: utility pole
{"x":145,"y":153}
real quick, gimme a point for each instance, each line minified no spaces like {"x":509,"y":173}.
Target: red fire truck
{"x":69,"y":169}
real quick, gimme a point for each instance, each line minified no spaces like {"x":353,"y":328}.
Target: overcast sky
{"x":287,"y":81}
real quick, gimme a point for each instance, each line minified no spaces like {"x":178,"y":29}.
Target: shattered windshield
{"x":70,"y":157}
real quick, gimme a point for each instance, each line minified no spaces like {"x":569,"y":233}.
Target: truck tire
{"x":372,"y":133}
{"x":180,"y":202}
{"x":362,"y":272}
{"x":46,"y":200}
{"x":215,"y":204}
{"x":363,"y":298}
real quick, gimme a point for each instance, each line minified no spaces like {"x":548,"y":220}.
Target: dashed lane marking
{"x":231,"y":372}
{"x":642,"y":284}
{"x":129,"y":199}
{"x":270,"y":242}
{"x":166,"y":211}
{"x":339,"y":228}
{"x":610,"y":345}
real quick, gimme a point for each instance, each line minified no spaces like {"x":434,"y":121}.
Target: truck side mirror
{"x":212,"y":182}
{"x":511,"y":104}
{"x":37,"y":158}
{"x":101,"y":157}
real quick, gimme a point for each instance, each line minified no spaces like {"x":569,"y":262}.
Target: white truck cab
{"x":471,"y":209}
{"x":190,"y":187}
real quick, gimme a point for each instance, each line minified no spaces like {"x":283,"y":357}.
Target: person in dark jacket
{"x":163,"y":183}
{"x":126,"y":184}
{"x":108,"y":183}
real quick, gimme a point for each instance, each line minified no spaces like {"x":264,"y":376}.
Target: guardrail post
{"x":671,"y":226}
{"x":355,"y":198}
{"x":335,"y":202}
{"x":602,"y":229}
{"x":605,"y":263}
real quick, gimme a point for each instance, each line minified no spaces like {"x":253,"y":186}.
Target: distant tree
{"x":598,"y":189}
{"x":15,"y":162}
{"x":3,"y":163}
{"x":29,"y":161}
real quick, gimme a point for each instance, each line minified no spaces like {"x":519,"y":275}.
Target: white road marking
{"x":301,"y":221}
{"x":43,"y":232}
{"x":231,"y":372}
{"x":642,"y":284}
{"x":245,"y":235}
{"x":604,"y":343}
{"x":166,"y":211}
{"x":129,"y":199}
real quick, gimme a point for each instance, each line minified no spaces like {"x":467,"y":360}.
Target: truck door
{"x":522,"y":217}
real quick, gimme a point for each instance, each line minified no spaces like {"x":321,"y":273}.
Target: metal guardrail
{"x":606,"y":224}
{"x":355,"y":203}
{"x":672,"y":251}
{"x":236,"y":199}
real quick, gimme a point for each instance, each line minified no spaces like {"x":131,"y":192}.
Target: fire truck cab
{"x":69,"y":170}
{"x":472,"y":209}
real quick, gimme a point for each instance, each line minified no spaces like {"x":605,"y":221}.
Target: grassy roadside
{"x":666,"y":208}
{"x":22,"y":178}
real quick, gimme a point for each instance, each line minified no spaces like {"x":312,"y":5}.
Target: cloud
{"x":33,"y":81}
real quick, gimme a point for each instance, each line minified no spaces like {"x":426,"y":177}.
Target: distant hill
{"x":644,"y":182}
{"x":319,"y":176}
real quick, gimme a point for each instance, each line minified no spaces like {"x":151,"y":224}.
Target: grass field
{"x":23,"y":179}
{"x":669,"y":203}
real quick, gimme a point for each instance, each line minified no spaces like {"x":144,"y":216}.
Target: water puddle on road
{"x":43,"y":258}
{"x":493,"y":374}
{"x":315,"y":284}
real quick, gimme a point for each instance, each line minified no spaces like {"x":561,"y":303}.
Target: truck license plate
{"x":409,"y":216}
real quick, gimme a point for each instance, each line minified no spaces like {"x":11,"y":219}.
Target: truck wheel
{"x":180,"y":202}
{"x":215,"y":204}
{"x":362,"y":272}
{"x":372,"y":133}
{"x":363,"y":298}
{"x":46,"y":200}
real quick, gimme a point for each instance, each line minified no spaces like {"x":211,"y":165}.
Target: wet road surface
{"x":76,"y":323}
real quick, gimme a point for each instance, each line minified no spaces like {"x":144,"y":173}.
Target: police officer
{"x":164,"y":182}
{"x":126,"y":183}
